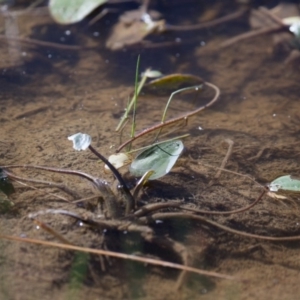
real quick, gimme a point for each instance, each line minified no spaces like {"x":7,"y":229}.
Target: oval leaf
{"x":170,"y":83}
{"x":72,"y":11}
{"x":285,"y":183}
{"x":159,"y":158}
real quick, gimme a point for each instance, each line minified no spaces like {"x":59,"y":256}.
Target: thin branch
{"x":49,"y":183}
{"x":209,"y":24}
{"x":119,"y":255}
{"x":226,"y":158}
{"x":254,"y":33}
{"x":239,"y":210}
{"x":165,"y":216}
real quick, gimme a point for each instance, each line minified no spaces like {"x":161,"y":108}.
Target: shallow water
{"x":51,"y":94}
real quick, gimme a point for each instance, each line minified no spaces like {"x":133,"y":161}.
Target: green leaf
{"x":285,"y":183}
{"x":170,"y":83}
{"x":72,"y":11}
{"x":159,"y":158}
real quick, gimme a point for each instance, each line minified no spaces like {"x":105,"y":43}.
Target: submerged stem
{"x":177,"y":119}
{"x":129,"y":198}
{"x":135,"y":97}
{"x":129,"y":106}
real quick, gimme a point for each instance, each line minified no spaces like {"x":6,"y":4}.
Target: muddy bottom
{"x":58,"y":93}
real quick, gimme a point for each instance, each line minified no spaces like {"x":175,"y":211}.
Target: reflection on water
{"x":48,"y":94}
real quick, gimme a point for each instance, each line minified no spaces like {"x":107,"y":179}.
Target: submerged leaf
{"x":171,"y":83}
{"x":6,"y":186}
{"x":285,"y":183}
{"x":81,"y":141}
{"x":72,"y":11}
{"x":159,"y":158}
{"x":5,"y":204}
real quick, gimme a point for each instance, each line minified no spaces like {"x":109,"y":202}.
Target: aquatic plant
{"x":125,"y":211}
{"x":159,"y":158}
{"x":72,"y":11}
{"x":285,"y":183}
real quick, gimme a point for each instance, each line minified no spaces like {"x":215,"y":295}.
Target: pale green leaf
{"x":72,"y":11}
{"x":170,"y":83}
{"x":285,"y":183}
{"x":159,"y":158}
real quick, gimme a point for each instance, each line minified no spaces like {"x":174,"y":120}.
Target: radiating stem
{"x":129,"y":198}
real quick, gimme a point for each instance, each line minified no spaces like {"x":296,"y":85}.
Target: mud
{"x":56,"y":93}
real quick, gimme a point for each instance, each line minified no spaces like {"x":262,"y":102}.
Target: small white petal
{"x":294,"y":23}
{"x":81,"y":141}
{"x":118,"y":160}
{"x":152,"y":74}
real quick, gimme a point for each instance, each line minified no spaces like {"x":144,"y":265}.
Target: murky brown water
{"x":52,"y":94}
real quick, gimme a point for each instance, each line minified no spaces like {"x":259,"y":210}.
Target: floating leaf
{"x":72,"y":11}
{"x":159,"y":158}
{"x":81,"y":141}
{"x":285,"y":183}
{"x":171,"y":83}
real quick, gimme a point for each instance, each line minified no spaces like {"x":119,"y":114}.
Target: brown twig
{"x":218,"y":21}
{"x":226,"y":158}
{"x":98,"y":183}
{"x":51,"y":231}
{"x":254,"y":33}
{"x":146,"y":209}
{"x":233,"y":172}
{"x":165,"y":216}
{"x":41,"y":43}
{"x":239,"y":210}
{"x":51,"y":169}
{"x":49,"y":183}
{"x":39,"y":190}
{"x":119,"y":255}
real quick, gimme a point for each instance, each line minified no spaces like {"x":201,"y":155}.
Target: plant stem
{"x":129,"y":198}
{"x":135,"y":97}
{"x":129,"y":106}
{"x":177,"y":119}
